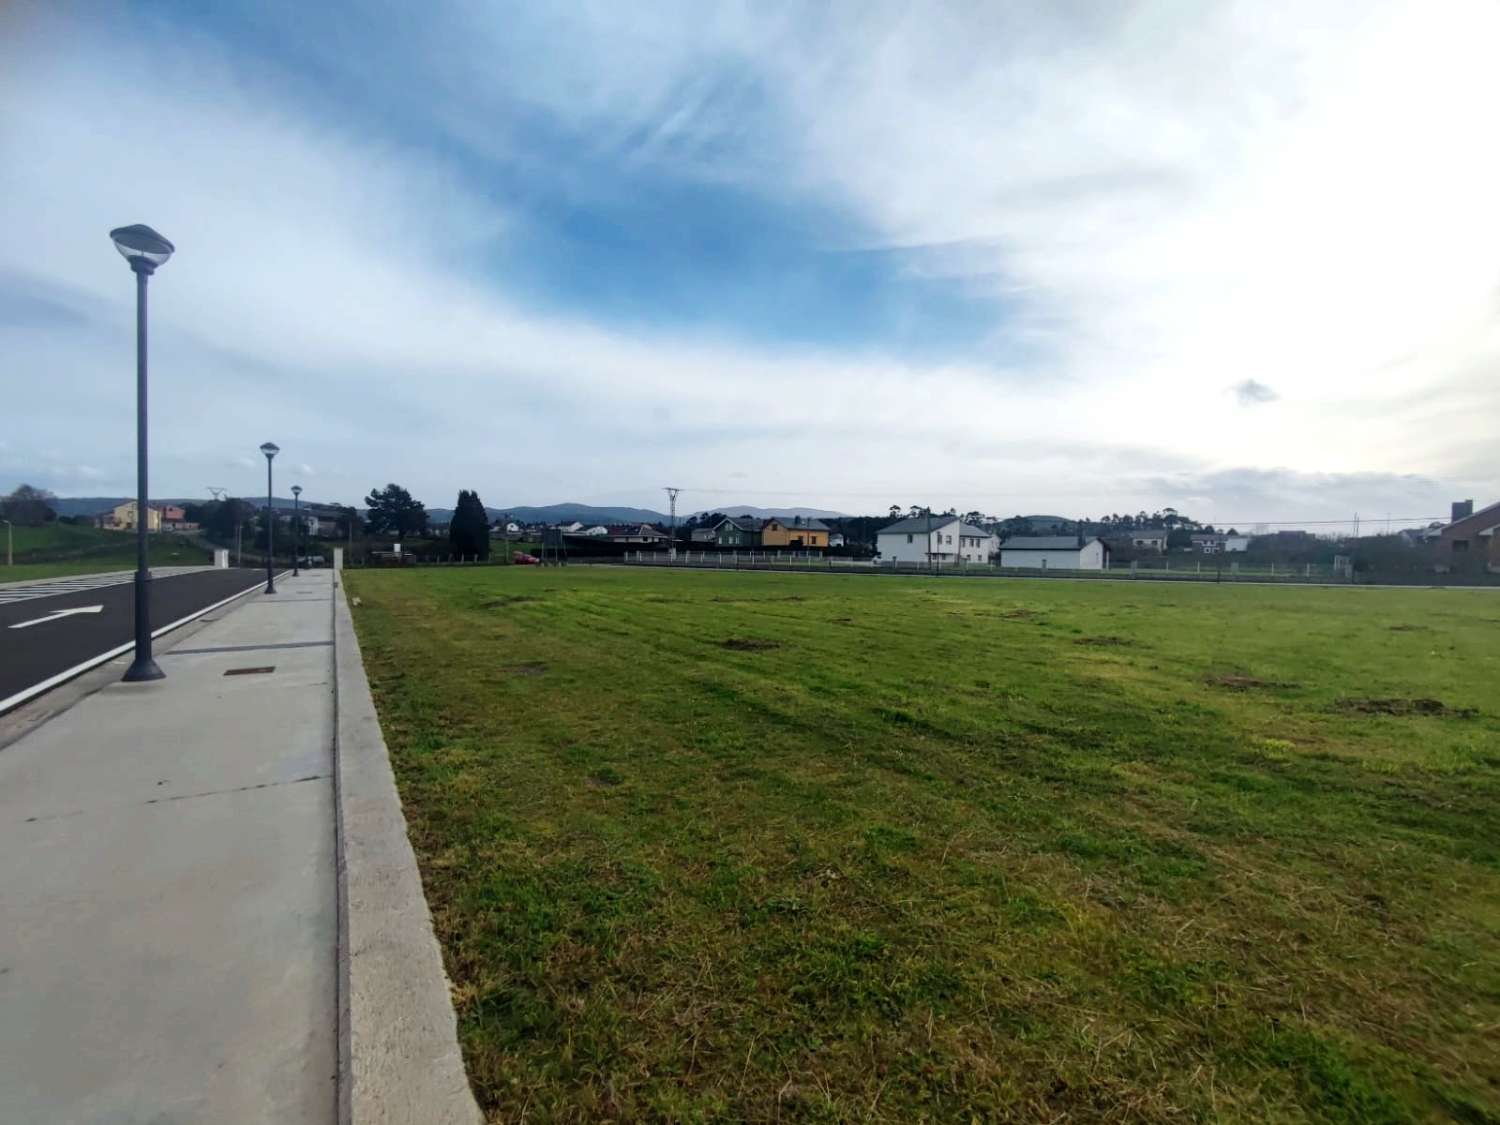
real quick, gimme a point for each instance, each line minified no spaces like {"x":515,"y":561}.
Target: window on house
{"x":908,"y":538}
{"x":1460,"y":544}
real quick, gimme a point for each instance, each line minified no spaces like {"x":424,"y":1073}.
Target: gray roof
{"x":919,"y":523}
{"x":744,"y":523}
{"x":790,"y":522}
{"x":1043,"y":543}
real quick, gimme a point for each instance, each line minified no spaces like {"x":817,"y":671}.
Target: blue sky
{"x":1030,"y":257}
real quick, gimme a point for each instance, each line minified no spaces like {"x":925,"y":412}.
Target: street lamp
{"x":296,"y":528}
{"x":144,"y":249}
{"x":270,"y":449}
{"x":10,"y":555}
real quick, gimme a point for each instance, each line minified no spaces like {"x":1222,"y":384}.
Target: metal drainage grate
{"x":250,"y":671}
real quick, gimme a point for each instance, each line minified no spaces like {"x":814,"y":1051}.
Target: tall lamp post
{"x":10,"y":555}
{"x":144,"y":249}
{"x":296,"y":528}
{"x":270,"y":449}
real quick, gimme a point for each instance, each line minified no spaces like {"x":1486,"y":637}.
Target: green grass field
{"x":729,"y":847}
{"x":58,"y":549}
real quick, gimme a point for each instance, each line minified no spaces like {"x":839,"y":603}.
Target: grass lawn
{"x":58,"y":549}
{"x":748,"y":847}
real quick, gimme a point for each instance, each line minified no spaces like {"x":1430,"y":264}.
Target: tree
{"x":469,"y":530}
{"x":392,"y":511}
{"x":220,"y":518}
{"x":895,"y":511}
{"x":348,"y":521}
{"x":28,"y":506}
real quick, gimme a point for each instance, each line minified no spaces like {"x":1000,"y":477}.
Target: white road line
{"x":79,"y":583}
{"x":58,"y":614}
{"x":51,"y":682}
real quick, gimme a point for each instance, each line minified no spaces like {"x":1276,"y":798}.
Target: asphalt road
{"x":31,"y":655}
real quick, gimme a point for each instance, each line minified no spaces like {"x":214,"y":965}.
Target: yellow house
{"x":122,"y":517}
{"x":798,"y":532}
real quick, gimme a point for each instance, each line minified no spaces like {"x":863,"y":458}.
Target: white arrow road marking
{"x":58,"y":614}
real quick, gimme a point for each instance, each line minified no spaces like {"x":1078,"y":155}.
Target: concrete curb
{"x":399,"y":1059}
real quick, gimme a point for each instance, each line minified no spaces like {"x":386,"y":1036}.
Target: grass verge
{"x":719,"y":847}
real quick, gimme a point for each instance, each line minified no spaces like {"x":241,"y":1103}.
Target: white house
{"x":1149,"y":539}
{"x":835,"y":538}
{"x":1209,"y":542}
{"x":598,"y":530}
{"x":1236,"y":542}
{"x":949,"y":541}
{"x":1054,"y":552}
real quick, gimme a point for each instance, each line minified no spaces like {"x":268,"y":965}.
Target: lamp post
{"x":144,"y":249}
{"x":10,"y":555}
{"x":270,"y":449}
{"x":296,"y":528}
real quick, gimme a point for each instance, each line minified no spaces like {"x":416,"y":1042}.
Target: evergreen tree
{"x":469,"y":532}
{"x":392,"y":511}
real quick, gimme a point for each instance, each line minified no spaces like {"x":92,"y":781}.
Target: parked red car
{"x":521,"y":558}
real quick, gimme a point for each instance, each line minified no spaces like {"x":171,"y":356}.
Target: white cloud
{"x":1166,"y":203}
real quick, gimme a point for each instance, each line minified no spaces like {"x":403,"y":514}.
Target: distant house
{"x":1150,"y":539}
{"x":122,"y":517}
{"x":835,"y":538}
{"x":1236,"y":543}
{"x":599,"y":531}
{"x":1208,"y":542}
{"x":704,"y":535}
{"x":1472,"y":535}
{"x":1054,"y":552}
{"x":636,"y":533}
{"x":574,"y":528}
{"x":940,"y":539}
{"x":795,"y":533}
{"x":737,"y":532}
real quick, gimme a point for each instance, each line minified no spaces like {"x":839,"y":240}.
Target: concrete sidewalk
{"x":168,"y":890}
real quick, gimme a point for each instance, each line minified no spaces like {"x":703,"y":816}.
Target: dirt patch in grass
{"x":534,"y":668}
{"x":748,"y":644}
{"x":1410,"y":629}
{"x":510,"y":599}
{"x":754,"y":601}
{"x":1236,"y":682}
{"x":1106,"y":642}
{"x":1019,"y":614}
{"x":1396,"y":706}
{"x":842,"y":621}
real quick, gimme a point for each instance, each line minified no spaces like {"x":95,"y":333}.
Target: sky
{"x":1075,"y":258}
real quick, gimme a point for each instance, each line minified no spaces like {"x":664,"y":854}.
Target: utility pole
{"x":672,"y":497}
{"x":931,"y":556}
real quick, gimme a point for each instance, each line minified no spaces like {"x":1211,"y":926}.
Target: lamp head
{"x":296,"y":490}
{"x":142,"y":247}
{"x":270,"y":449}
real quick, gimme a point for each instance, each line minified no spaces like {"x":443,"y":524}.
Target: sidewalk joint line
{"x":181,"y":797}
{"x":247,"y":648}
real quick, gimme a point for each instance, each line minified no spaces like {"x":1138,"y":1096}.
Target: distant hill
{"x":93,"y":505}
{"x":767,"y":513}
{"x":549,"y":513}
{"x":561,"y":513}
